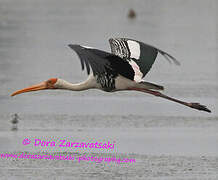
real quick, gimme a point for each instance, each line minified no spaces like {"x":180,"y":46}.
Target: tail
{"x":149,"y":85}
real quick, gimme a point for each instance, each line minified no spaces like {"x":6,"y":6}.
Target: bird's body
{"x":122,"y":69}
{"x":125,"y":67}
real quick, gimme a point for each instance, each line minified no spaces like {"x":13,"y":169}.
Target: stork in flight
{"x":122,"y":69}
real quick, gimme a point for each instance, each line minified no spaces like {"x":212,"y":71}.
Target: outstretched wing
{"x":102,"y":62}
{"x":142,"y":54}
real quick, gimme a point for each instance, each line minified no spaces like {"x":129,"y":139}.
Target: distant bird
{"x":131,"y":14}
{"x":122,"y":69}
{"x":14,"y":121}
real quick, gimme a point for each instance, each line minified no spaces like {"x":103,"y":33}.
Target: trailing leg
{"x":197,"y":106}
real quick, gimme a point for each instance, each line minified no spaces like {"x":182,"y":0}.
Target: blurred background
{"x":33,"y":47}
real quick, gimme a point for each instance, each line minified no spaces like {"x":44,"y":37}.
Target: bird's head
{"x":49,"y":84}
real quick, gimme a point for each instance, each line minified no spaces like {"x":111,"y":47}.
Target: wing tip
{"x":70,"y":45}
{"x":169,"y":57}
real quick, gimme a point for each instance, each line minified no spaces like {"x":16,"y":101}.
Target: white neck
{"x":62,"y":84}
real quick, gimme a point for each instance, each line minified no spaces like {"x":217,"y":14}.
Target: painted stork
{"x":122,"y":69}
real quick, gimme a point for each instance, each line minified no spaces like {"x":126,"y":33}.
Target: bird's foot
{"x":199,"y":107}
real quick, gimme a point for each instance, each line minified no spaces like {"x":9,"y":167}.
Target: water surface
{"x":169,"y":141}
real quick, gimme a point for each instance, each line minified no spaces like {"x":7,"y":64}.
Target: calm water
{"x":33,"y":48}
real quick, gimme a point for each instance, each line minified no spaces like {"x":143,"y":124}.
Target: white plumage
{"x":134,"y":48}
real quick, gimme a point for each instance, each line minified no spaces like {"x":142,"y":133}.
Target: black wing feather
{"x":168,"y":57}
{"x":102,"y":62}
{"x":146,"y":53}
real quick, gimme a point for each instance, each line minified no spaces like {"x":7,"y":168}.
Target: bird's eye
{"x":52,"y":81}
{"x":49,"y":82}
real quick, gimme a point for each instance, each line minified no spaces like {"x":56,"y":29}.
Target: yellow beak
{"x":36,"y":87}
